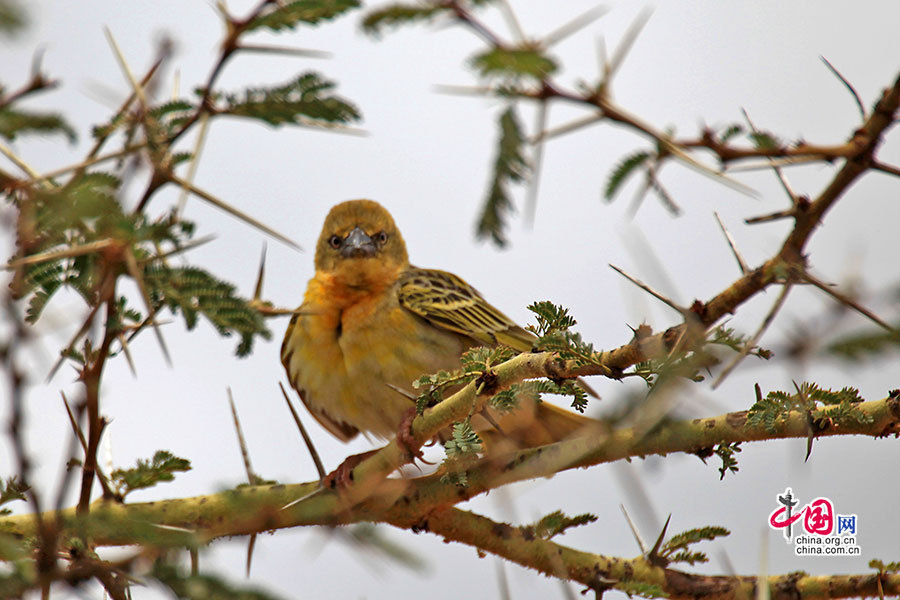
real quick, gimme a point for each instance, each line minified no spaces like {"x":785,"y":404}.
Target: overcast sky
{"x":427,"y":157}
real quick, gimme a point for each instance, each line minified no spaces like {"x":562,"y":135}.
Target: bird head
{"x":360,"y":244}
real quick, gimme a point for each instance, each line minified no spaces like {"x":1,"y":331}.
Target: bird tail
{"x":537,"y":424}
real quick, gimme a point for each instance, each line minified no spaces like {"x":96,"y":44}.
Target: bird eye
{"x":335,"y":241}
{"x":381,"y":237}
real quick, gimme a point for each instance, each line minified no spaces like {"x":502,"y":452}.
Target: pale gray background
{"x":428,"y":159}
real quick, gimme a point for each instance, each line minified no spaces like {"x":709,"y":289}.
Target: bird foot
{"x":407,"y":440}
{"x":343,"y":475}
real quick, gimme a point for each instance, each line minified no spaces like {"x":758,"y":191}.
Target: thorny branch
{"x":422,"y":504}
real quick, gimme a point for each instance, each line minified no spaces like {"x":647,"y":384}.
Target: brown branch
{"x":597,"y":572}
{"x":37,"y":83}
{"x":255,"y":509}
{"x":91,"y":376}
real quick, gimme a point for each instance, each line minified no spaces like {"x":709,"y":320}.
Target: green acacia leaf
{"x":15,"y":122}
{"x":311,"y":12}
{"x":195,"y":292}
{"x":305,"y":100}
{"x":622,"y":171}
{"x":514,"y":63}
{"x":510,"y":166}
{"x":147,"y":473}
{"x":395,"y":15}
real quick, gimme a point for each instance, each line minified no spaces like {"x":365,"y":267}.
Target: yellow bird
{"x":370,"y":320}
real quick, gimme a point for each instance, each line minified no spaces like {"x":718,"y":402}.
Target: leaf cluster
{"x":692,"y":364}
{"x":11,"y":490}
{"x":728,"y":337}
{"x":395,"y":15}
{"x":66,"y":225}
{"x":620,"y":173}
{"x":726,"y":453}
{"x":462,"y":449}
{"x":305,"y":100}
{"x":677,"y":548}
{"x":863,"y":345}
{"x":510,"y":166}
{"x":556,"y":523}
{"x":882,"y":567}
{"x":475,"y":363}
{"x":531,"y":390}
{"x":809,"y":397}
{"x":511,"y":64}
{"x":287,"y":15}
{"x":193,"y":292}
{"x":15,"y":122}
{"x":205,"y":586}
{"x":147,"y":473}
{"x":554,"y":335}
{"x":82,"y":235}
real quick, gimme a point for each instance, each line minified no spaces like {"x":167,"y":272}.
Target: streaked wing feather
{"x":449,"y":302}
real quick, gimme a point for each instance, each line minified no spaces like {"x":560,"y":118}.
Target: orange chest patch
{"x":338,"y":307}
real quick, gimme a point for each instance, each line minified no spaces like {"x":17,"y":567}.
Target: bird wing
{"x":447,"y":301}
{"x":338,"y":429}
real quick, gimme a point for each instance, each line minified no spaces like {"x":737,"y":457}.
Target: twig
{"x":269,"y":49}
{"x":257,"y":290}
{"x":91,"y":161}
{"x":182,"y":248}
{"x":634,"y":531}
{"x":627,"y":42}
{"x":567,"y":128}
{"x":847,"y":301}
{"x":737,"y":255}
{"x":889,"y":169}
{"x":195,"y":162}
{"x":79,"y":434}
{"x":573,"y":26}
{"x":37,"y":83}
{"x":771,"y":161}
{"x":537,"y":162}
{"x":654,"y":184}
{"x":850,"y":88}
{"x":128,"y":358}
{"x":252,"y":477}
{"x":776,"y":168}
{"x":775,"y":216}
{"x":512,"y":21}
{"x":135,"y":272}
{"x":71,"y":345}
{"x":68,"y":252}
{"x":26,"y":168}
{"x":231,"y":210}
{"x":306,"y":439}
{"x":126,"y":70}
{"x":665,"y":300}
{"x":751,"y":343}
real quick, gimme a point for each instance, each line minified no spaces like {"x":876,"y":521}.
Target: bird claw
{"x":407,"y":440}
{"x":342,"y":476}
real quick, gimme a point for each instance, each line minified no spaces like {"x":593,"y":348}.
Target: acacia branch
{"x":247,"y":510}
{"x":519,"y":545}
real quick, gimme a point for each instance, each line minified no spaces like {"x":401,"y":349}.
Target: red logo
{"x":818,"y":517}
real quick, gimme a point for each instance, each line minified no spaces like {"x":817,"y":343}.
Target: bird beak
{"x":358,"y":245}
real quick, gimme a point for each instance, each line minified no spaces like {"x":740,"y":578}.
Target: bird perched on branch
{"x":371,"y":323}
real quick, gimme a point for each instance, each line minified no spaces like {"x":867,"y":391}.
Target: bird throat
{"x":356,"y":281}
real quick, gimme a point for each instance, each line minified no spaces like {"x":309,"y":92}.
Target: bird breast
{"x":345,"y":357}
